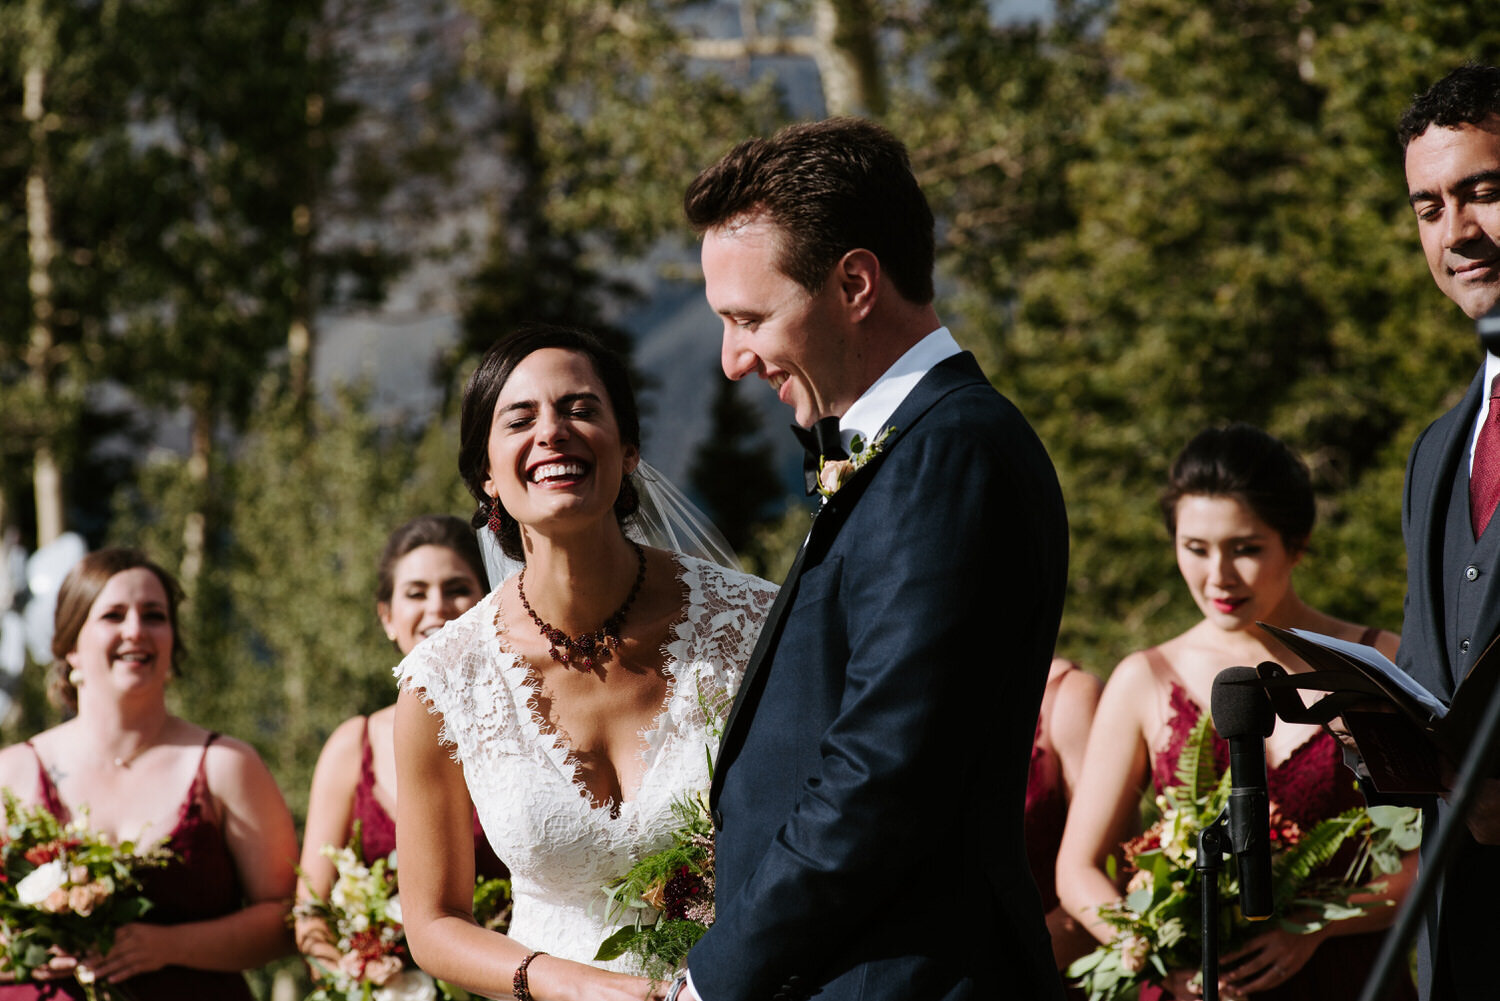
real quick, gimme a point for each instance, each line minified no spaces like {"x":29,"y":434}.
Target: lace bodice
{"x":561,"y":848}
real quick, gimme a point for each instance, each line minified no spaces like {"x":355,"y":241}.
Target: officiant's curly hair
{"x":830,"y":187}
{"x":1244,"y":462}
{"x":1467,"y":96}
{"x":477,"y":414}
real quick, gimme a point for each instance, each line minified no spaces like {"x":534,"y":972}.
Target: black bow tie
{"x":821,"y":441}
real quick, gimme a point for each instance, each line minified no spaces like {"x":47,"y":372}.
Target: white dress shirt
{"x":1491,"y":369}
{"x":868,"y":415}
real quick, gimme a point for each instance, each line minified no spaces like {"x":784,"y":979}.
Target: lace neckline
{"x":1186,"y":710}
{"x":525,"y":679}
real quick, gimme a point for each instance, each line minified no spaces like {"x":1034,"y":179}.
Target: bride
{"x":576,"y":701}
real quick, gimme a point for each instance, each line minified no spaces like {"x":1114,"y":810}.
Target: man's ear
{"x":858,"y":275}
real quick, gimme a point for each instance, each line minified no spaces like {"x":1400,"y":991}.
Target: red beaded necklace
{"x":592,"y":648}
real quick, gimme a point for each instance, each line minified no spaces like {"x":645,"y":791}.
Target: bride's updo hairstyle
{"x":1244,"y":462}
{"x":478,"y":415}
{"x":80,"y":588}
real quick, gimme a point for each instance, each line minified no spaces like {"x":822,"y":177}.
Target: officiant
{"x":1451,"y":136}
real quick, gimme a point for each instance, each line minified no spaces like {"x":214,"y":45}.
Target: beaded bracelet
{"x":519,"y":985}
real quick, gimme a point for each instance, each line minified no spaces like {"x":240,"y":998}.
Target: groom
{"x":869,"y":790}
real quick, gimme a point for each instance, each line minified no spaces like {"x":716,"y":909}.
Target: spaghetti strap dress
{"x":377,"y":829}
{"x":199,"y":884}
{"x":1046,"y":801}
{"x":1312,"y":784}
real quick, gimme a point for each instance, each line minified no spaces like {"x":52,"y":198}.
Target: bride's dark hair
{"x":478,"y":412}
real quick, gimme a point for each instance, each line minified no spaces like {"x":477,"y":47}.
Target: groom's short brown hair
{"x":829,"y":187}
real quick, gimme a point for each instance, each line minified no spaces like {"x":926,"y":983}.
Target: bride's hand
{"x":555,"y":979}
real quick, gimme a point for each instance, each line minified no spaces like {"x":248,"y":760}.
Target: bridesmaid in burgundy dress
{"x":145,"y":775}
{"x":1239,"y":506}
{"x":430,"y":572}
{"x":1062,"y":731}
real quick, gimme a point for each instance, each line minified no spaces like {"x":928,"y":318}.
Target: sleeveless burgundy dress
{"x":377,"y":829}
{"x":201,"y":883}
{"x":1046,"y":803}
{"x":1312,"y":784}
{"x":1047,"y":810}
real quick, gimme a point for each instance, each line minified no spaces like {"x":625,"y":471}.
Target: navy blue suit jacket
{"x":1464,"y":923}
{"x":870,"y":787}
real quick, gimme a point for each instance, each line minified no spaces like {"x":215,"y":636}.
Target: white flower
{"x":408,"y":985}
{"x":393,"y":909}
{"x":40,"y":883}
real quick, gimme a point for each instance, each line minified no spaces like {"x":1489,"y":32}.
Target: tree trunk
{"x":848,"y":57}
{"x":195,"y":526}
{"x":46,"y":474}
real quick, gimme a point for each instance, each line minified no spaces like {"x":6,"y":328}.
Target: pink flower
{"x":380,"y":971}
{"x":352,"y":965}
{"x":78,"y":875}
{"x":1133,"y":954}
{"x":832,"y":475}
{"x":57,"y":901}
{"x":86,"y":898}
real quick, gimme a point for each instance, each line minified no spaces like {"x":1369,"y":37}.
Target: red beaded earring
{"x":495,"y":523}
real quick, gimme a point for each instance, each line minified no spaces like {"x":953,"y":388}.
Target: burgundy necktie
{"x":1484,"y":477}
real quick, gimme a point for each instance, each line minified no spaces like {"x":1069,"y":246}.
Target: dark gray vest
{"x":1470,"y":571}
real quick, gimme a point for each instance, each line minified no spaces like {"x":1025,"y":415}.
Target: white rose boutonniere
{"x":834,"y":473}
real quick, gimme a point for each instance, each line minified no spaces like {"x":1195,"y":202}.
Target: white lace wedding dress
{"x":560,"y":848}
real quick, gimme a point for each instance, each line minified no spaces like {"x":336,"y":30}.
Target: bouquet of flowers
{"x":363,"y":911}
{"x":1160,"y":918}
{"x":65,"y":888}
{"x":668,"y":896}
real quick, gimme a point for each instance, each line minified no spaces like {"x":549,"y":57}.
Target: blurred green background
{"x":1153,"y":215}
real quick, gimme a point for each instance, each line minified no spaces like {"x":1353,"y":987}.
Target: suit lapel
{"x":950,"y":374}
{"x":1450,"y":449}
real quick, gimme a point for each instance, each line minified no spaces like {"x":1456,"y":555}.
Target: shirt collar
{"x":869,"y":414}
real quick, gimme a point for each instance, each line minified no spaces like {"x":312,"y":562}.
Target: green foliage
{"x":732,"y":470}
{"x":282,"y":629}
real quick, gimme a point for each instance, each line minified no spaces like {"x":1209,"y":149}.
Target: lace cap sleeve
{"x":448,"y":670}
{"x":726,"y":609}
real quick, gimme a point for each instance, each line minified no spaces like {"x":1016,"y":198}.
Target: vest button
{"x":1463,"y":647}
{"x":1471,"y":573}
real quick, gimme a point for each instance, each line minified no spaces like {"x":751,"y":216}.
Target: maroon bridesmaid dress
{"x":1312,"y":784}
{"x":199,"y":884}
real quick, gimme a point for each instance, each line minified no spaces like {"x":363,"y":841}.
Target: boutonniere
{"x":834,"y":473}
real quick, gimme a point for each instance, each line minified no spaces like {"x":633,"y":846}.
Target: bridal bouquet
{"x":363,"y":911}
{"x":668,"y":896}
{"x":65,"y":888}
{"x":1160,"y":918}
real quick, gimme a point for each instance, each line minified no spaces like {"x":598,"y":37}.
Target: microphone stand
{"x":1476,"y":765}
{"x":1213,"y":840}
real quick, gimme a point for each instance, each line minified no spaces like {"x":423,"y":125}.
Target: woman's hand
{"x":1265,"y":961}
{"x":60,"y":967}
{"x":554,"y":979}
{"x":138,"y":948}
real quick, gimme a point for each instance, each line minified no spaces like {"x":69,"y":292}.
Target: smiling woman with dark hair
{"x":429,"y":573}
{"x":575,"y":703}
{"x":1239,"y":507}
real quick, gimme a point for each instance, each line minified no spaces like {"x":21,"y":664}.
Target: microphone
{"x":1243,"y":716}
